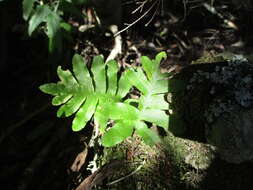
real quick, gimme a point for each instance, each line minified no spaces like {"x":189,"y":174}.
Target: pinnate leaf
{"x":117,"y":133}
{"x":90,"y":92}
{"x":85,"y":113}
{"x":99,"y":92}
{"x":153,"y":85}
{"x":148,"y":136}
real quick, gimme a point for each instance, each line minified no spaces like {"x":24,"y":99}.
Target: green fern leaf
{"x":149,"y":136}
{"x":153,"y":85}
{"x":118,"y":133}
{"x":98,"y":92}
{"x":89,"y":94}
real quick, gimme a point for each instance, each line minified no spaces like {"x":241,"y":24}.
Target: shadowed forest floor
{"x":38,"y":149}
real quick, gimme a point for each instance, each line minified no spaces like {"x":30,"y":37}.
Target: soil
{"x":38,"y":149}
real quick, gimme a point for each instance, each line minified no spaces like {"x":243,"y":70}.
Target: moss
{"x":193,"y":153}
{"x":208,"y":58}
{"x":149,"y":164}
{"x":164,"y":166}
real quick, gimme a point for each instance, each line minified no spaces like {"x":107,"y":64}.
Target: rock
{"x":232,"y":134}
{"x":217,"y":105}
{"x":197,"y":155}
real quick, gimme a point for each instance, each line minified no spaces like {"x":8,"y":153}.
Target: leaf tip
{"x":43,"y":88}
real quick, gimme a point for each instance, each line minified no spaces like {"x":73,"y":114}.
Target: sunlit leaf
{"x":149,"y":136}
{"x":89,"y":92}
{"x":112,"y":72}
{"x":148,"y":66}
{"x":117,"y":133}
{"x":81,"y":73}
{"x":160,"y":56}
{"x":139,"y":80}
{"x":99,"y":91}
{"x":156,"y":101}
{"x":85,"y":113}
{"x":98,"y":71}
{"x":121,"y":111}
{"x":156,"y":116}
{"x":153,"y":86}
{"x":61,"y":99}
{"x":124,"y":84}
{"x":52,"y":88}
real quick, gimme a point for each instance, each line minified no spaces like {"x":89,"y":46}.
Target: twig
{"x":122,"y":178}
{"x":185,"y":8}
{"x":153,"y":14}
{"x":137,"y":20}
{"x":140,"y":7}
{"x":117,"y":49}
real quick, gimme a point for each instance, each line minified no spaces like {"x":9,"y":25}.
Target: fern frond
{"x":99,"y":92}
{"x":87,"y":92}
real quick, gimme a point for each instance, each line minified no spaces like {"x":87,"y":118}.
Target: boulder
{"x":216,"y":105}
{"x":232,"y":133}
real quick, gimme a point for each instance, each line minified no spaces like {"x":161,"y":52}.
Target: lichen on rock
{"x":218,"y":100}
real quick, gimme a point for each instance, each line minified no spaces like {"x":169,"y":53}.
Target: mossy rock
{"x":164,"y":166}
{"x":197,"y":155}
{"x":145,"y":166}
{"x":189,"y":105}
{"x":213,"y":93}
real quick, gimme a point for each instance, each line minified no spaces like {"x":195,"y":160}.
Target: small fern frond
{"x":86,"y":92}
{"x":99,"y":92}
